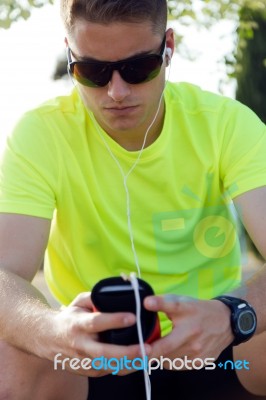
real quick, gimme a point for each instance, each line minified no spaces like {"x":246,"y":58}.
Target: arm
{"x":202,"y":328}
{"x":251,"y":207}
{"x":27,"y":321}
{"x":23,"y":241}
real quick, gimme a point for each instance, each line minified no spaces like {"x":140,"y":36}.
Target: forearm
{"x":254,"y":292}
{"x":251,"y":209}
{"x":25,"y":315}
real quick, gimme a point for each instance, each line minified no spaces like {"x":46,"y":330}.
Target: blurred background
{"x":33,"y":54}
{"x":220,"y":46}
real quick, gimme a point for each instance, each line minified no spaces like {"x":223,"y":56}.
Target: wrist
{"x":44,"y":328}
{"x":243,"y":318}
{"x":225,"y":316}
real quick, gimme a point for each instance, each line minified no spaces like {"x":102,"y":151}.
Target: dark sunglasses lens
{"x":141,"y":70}
{"x":91,"y":75}
{"x":134,"y":71}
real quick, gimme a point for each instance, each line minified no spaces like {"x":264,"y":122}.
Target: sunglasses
{"x":133,"y":70}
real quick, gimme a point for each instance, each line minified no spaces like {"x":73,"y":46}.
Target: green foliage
{"x":199,"y":13}
{"x":206,"y":13}
{"x":249,"y":58}
{"x":13,"y":10}
{"x":250,"y":62}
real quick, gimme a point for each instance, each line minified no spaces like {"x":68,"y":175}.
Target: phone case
{"x":117,"y":295}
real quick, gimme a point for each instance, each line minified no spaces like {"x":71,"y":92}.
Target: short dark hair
{"x":108,"y":11}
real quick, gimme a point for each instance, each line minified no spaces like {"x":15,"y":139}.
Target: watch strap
{"x":236,"y":306}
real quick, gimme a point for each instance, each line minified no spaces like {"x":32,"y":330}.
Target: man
{"x":135,"y":174}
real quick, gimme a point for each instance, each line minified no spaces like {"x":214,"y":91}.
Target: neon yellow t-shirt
{"x":210,"y":150}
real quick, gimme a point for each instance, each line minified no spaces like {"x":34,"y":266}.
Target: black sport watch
{"x":243,"y":318}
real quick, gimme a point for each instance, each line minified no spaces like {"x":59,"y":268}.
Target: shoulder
{"x":51,"y":120}
{"x":194,"y":99}
{"x":56,"y":108}
{"x":220,"y":111}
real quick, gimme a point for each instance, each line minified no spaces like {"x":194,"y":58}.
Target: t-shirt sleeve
{"x":29,"y":169}
{"x":243,"y":155}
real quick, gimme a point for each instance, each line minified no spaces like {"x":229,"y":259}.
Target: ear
{"x":66,"y":41}
{"x":170,"y":43}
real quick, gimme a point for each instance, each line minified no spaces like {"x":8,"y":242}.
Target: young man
{"x":128,"y":173}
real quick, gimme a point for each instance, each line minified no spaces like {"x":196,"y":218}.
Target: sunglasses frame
{"x":111,"y":66}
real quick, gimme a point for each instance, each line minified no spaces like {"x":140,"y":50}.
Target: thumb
{"x":82,"y":300}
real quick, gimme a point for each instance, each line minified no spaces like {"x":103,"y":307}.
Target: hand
{"x":201,"y":328}
{"x":74,"y":335}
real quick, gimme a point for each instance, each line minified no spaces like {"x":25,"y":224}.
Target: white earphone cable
{"x":135,"y":285}
{"x":132,"y":277}
{"x":126,"y":175}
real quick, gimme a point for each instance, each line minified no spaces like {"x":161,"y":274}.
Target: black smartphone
{"x":116,"y":294}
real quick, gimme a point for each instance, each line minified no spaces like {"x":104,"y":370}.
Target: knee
{"x":24,"y":376}
{"x":19,"y":373}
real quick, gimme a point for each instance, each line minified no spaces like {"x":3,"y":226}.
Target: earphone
{"x":125,"y":175}
{"x":169,"y":53}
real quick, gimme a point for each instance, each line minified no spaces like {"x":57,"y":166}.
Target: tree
{"x":202,"y":13}
{"x":13,"y":10}
{"x":250,"y":70}
{"x":248,"y":63}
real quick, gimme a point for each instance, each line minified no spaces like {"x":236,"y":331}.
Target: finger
{"x":165,"y":346}
{"x":124,"y":355}
{"x":82,"y":300}
{"x":99,"y":322}
{"x":89,"y":366}
{"x":169,"y":304}
{"x":183,"y":340}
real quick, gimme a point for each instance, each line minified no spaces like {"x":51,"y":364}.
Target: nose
{"x":118,"y":89}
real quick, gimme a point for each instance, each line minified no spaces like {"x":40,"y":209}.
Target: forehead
{"x":113,"y":41}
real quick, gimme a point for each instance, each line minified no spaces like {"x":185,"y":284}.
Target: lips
{"x":121,"y":110}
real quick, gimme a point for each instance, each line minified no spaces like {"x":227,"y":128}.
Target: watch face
{"x":246,"y":322}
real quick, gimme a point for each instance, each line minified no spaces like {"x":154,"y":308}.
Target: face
{"x":122,"y":109}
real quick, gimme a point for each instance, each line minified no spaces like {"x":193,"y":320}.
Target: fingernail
{"x":151,"y":302}
{"x":147,"y":348}
{"x":129,"y":320}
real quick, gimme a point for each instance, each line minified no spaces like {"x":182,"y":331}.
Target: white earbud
{"x":169,"y":52}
